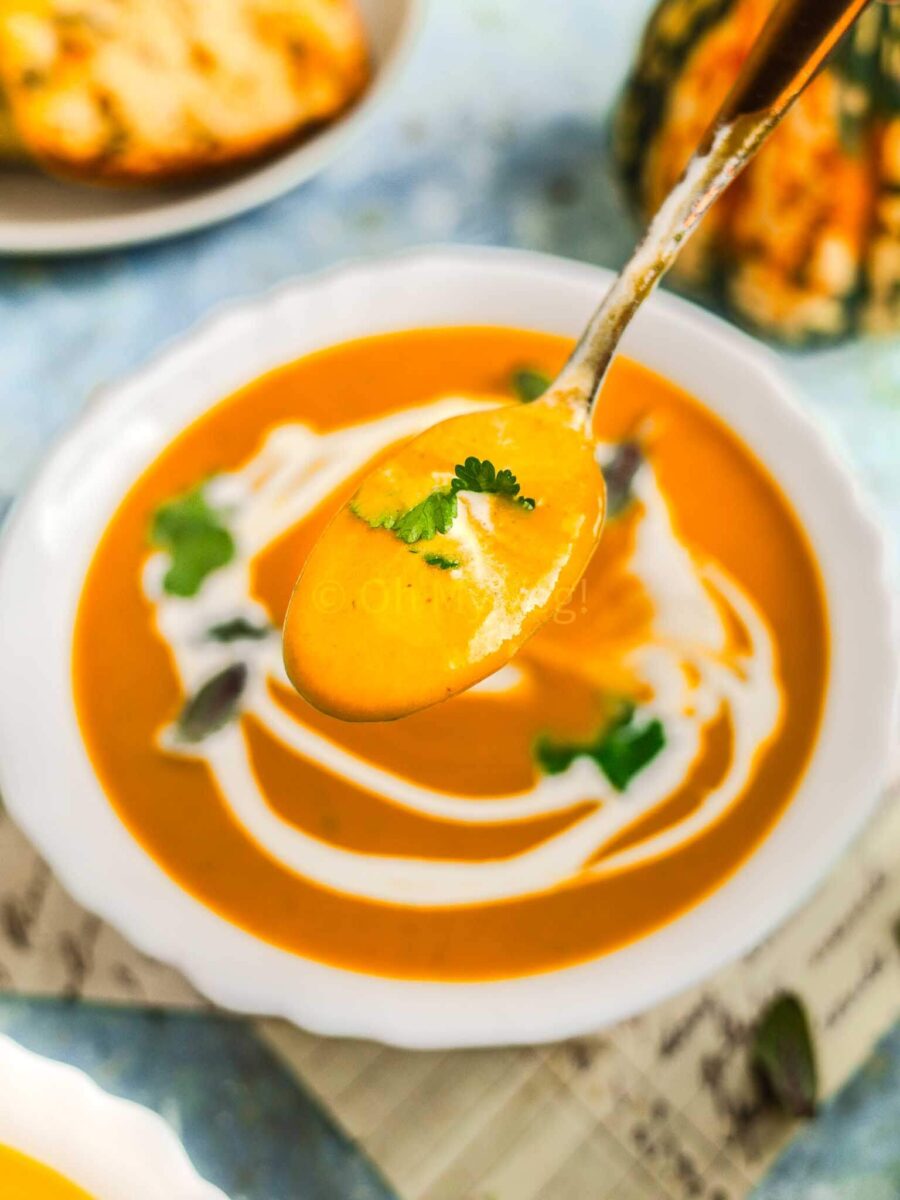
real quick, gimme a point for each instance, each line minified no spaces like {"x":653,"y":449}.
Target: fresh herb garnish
{"x":195,"y":537}
{"x":213,"y":706}
{"x":627,"y":749}
{"x":437,"y":512}
{"x":621,"y":749}
{"x":386,"y":520}
{"x":618,"y":474}
{"x":238,"y":629}
{"x":434,"y":515}
{"x":783,"y":1055}
{"x":438,"y":560}
{"x":480,"y":475}
{"x":529,"y":384}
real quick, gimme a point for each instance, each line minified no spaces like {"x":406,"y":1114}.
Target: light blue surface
{"x":496,"y":135}
{"x":246,"y":1124}
{"x":852,"y":1151}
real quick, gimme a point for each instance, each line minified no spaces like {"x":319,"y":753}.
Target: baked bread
{"x":145,"y":91}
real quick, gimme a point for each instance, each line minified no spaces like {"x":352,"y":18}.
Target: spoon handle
{"x":793,"y":44}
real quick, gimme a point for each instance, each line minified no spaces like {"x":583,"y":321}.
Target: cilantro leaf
{"x":480,"y":475}
{"x":434,"y":515}
{"x":627,"y":750}
{"x":555,"y":757}
{"x":387,"y":520}
{"x":196,"y":539}
{"x":438,"y":560}
{"x":237,"y":629}
{"x":213,"y":706}
{"x":529,"y":384}
{"x":622,"y":748}
{"x":437,"y":512}
{"x":783,"y":1055}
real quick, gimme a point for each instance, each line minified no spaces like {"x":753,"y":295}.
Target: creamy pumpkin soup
{"x":612,"y":775}
{"x":23,"y":1178}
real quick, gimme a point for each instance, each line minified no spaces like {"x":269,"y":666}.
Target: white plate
{"x":50,"y":787}
{"x":39,"y":215}
{"x":113,"y":1149}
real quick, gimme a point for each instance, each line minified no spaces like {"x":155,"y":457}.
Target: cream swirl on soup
{"x":702,"y":653}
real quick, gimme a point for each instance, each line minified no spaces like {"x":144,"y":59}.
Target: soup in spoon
{"x":446,"y":560}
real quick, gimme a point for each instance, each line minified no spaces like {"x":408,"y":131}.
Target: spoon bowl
{"x":428,"y":579}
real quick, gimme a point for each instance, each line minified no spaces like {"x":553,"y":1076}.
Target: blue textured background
{"x":496,"y":134}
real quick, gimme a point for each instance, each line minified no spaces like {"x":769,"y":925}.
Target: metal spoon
{"x":366,"y":662}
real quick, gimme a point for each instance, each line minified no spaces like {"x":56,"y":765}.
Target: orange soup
{"x":616,"y":772}
{"x":22,"y":1178}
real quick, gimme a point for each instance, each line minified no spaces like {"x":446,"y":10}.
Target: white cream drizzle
{"x":294,"y":470}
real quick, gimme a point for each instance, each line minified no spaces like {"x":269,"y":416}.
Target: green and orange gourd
{"x":805,"y":246}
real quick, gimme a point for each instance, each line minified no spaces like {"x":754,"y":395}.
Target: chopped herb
{"x":784,"y":1057}
{"x":622,"y":749}
{"x":386,"y":520}
{"x":434,"y":515}
{"x":480,"y":475}
{"x":238,"y":629}
{"x":619,"y":474}
{"x":437,"y":512}
{"x":196,"y":539}
{"x":529,"y":384}
{"x":214,"y":705}
{"x":438,"y":560}
{"x":626,"y":750}
{"x":555,"y":757}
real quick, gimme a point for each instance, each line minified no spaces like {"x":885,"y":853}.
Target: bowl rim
{"x":55,"y":1113}
{"x":251,"y":187}
{"x":100,"y":863}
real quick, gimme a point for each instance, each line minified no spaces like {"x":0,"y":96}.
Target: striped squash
{"x":806,"y":245}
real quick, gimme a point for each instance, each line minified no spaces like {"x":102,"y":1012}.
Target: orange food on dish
{"x":23,"y":1178}
{"x":625,"y":763}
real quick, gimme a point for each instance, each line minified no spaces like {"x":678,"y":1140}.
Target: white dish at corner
{"x":40,"y":215}
{"x":49,"y":784}
{"x":111,"y":1148}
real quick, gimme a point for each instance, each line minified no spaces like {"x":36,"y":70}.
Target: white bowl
{"x":111,"y":1148}
{"x":49,"y":784}
{"x":40,"y":215}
